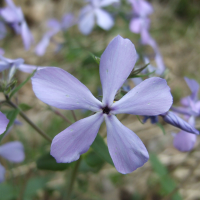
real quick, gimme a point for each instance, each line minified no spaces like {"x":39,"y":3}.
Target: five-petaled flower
{"x":58,"y":88}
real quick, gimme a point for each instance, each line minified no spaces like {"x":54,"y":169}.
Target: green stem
{"x":74,"y":116}
{"x":43,"y":134}
{"x":72,"y":179}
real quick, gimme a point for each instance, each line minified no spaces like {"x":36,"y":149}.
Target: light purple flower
{"x":3,"y":123}
{"x":13,"y":65}
{"x":141,"y":8}
{"x":191,"y":104}
{"x":55,"y":27}
{"x":94,"y":10}
{"x":184,"y":141}
{"x":13,"y":16}
{"x":58,"y":88}
{"x":13,"y":152}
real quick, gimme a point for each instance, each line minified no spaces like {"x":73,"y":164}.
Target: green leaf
{"x":141,"y":75}
{"x":166,"y":182}
{"x":11,"y":115}
{"x":94,"y":161}
{"x":158,"y":167}
{"x":24,"y":107}
{"x":33,"y":185}
{"x":97,"y":59}
{"x":137,"y":71}
{"x":161,"y":127}
{"x":139,"y":119}
{"x":48,"y":162}
{"x":21,"y":85}
{"x":7,"y":192}
{"x":101,"y":149}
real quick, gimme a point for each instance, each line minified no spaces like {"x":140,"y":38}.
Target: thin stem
{"x":62,"y":116}
{"x":74,"y":116}
{"x":43,"y":134}
{"x":72,"y":179}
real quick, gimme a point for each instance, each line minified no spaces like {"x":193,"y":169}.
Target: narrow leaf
{"x":21,"y":85}
{"x":11,"y":115}
{"x":101,"y":149}
{"x":161,"y":127}
{"x":48,"y":162}
{"x":97,"y":59}
{"x":24,"y":107}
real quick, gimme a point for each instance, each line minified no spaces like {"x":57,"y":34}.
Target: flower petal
{"x":86,"y":20}
{"x":194,"y":87}
{"x":142,"y":8}
{"x":151,"y":97}
{"x":174,"y":120}
{"x":28,"y":68}
{"x":182,"y":110}
{"x":126,"y":149}
{"x":104,"y":3}
{"x":116,"y":63}
{"x":2,"y":173}
{"x":12,"y":151}
{"x":3,"y":123}
{"x":184,"y":141}
{"x":60,"y":89}
{"x":104,"y":19}
{"x":68,"y":145}
{"x":26,"y":35}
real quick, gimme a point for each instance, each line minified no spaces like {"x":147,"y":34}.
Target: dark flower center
{"x":106,"y":110}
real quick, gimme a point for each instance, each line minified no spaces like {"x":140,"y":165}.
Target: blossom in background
{"x":14,"y":17}
{"x":3,"y":123}
{"x":13,"y":152}
{"x":94,"y":10}
{"x":140,"y":24}
{"x":67,"y":21}
{"x":190,"y":104}
{"x":60,"y":89}
{"x":13,"y":65}
{"x":184,"y":141}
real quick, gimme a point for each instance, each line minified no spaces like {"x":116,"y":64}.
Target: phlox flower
{"x":13,"y":16}
{"x":185,"y":141}
{"x":55,"y":26}
{"x":17,"y":64}
{"x":94,"y":10}
{"x":60,"y":89}
{"x":13,"y":152}
{"x":190,"y":104}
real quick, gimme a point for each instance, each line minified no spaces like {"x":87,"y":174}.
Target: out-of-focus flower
{"x":67,"y":21}
{"x":6,"y":63}
{"x":13,"y":152}
{"x":3,"y":123}
{"x":185,"y":141}
{"x":58,"y":88}
{"x":13,"y":16}
{"x":191,"y":104}
{"x":94,"y":10}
